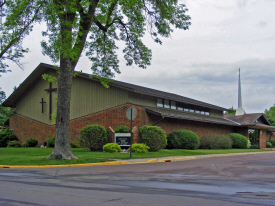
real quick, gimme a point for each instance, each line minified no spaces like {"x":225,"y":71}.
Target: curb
{"x":103,"y":163}
{"x":133,"y":161}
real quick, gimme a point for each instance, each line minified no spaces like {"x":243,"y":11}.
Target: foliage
{"x":95,"y":26}
{"x":93,"y":137}
{"x":121,"y":129}
{"x":254,"y":147}
{"x":270,"y":115}
{"x":215,"y":142}
{"x":6,"y":135}
{"x":248,"y":144}
{"x":182,"y":139}
{"x":14,"y":143}
{"x":111,"y":147}
{"x":239,"y":141}
{"x":74,"y":144}
{"x":272,"y":142}
{"x":268,"y":144}
{"x":18,"y":18}
{"x":231,"y":111}
{"x":24,"y":144}
{"x":31,"y":142}
{"x":154,"y":137}
{"x":51,"y":141}
{"x":139,"y":148}
{"x":5,"y":112}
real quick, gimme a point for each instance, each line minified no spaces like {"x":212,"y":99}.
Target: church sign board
{"x":123,"y":139}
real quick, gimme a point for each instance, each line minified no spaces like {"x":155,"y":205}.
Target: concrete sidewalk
{"x":142,"y":161}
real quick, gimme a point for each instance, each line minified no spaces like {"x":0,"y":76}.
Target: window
{"x":169,"y":104}
{"x":166,"y":103}
{"x":173,"y":105}
{"x":159,"y":102}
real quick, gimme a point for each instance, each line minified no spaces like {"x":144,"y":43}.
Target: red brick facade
{"x":110,"y":118}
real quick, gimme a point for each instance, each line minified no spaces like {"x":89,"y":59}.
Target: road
{"x":228,"y":180}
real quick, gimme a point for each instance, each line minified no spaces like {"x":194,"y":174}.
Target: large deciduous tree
{"x":270,"y":115}
{"x":17,"y":19}
{"x":95,"y":26}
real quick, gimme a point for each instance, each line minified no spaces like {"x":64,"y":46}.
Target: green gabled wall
{"x":29,"y":104}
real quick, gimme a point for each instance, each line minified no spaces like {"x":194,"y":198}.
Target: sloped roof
{"x":176,"y":114}
{"x":245,"y":119}
{"x":42,"y":68}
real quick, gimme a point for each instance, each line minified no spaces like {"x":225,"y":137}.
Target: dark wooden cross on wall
{"x":50,"y":90}
{"x":42,"y":102}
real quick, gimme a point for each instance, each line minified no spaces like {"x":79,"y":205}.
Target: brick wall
{"x":25,"y":128}
{"x":110,"y":118}
{"x":199,"y":128}
{"x":262,"y":139}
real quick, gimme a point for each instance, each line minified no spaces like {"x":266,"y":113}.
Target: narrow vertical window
{"x":159,"y":102}
{"x":166,"y":103}
{"x":173,"y":105}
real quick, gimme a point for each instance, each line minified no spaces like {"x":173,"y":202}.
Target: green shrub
{"x":182,"y":139}
{"x":139,"y":148}
{"x":215,"y":142}
{"x":93,"y":137}
{"x":74,"y":144}
{"x":254,"y":147}
{"x":272,"y":142}
{"x":51,"y":141}
{"x":14,"y":143}
{"x":6,"y":135}
{"x":248,"y":144}
{"x":31,"y":142}
{"x":111,"y":147}
{"x":268,"y":144}
{"x":239,"y":141}
{"x":154,"y":137}
{"x":121,"y":129}
{"x":24,"y":144}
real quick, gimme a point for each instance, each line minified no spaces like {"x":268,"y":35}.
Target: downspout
{"x":162,"y":117}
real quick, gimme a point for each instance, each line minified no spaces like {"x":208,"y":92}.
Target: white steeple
{"x":240,"y":110}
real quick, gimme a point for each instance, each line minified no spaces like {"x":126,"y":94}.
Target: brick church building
{"x":91,"y":103}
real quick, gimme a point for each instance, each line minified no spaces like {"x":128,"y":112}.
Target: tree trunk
{"x":62,"y":149}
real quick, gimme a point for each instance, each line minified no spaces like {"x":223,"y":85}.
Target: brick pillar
{"x":111,"y":133}
{"x":135,"y":135}
{"x":262,"y":139}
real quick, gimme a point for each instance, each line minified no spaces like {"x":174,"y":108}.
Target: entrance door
{"x":254,"y":135}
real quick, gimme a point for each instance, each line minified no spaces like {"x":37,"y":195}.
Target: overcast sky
{"x":201,"y":63}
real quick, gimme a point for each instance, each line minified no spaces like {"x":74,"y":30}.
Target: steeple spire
{"x":240,"y":110}
{"x":239,"y":91}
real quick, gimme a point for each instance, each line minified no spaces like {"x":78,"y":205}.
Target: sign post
{"x":131,"y":114}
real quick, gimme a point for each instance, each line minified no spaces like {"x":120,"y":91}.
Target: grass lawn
{"x":38,"y":156}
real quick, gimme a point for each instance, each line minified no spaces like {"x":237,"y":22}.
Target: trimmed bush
{"x":154,"y":137}
{"x":239,"y":141}
{"x":24,"y":144}
{"x":93,"y":137}
{"x":248,"y":144}
{"x":254,"y":147}
{"x":31,"y":142}
{"x":121,"y":129}
{"x":139,"y":148}
{"x":111,"y":147}
{"x":51,"y":141}
{"x":6,"y":135}
{"x":74,"y":144}
{"x":215,"y":142}
{"x":272,"y":142}
{"x":268,"y":144}
{"x":182,"y":139}
{"x":14,"y":143}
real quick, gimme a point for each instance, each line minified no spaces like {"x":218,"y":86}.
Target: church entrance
{"x":254,"y":135}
